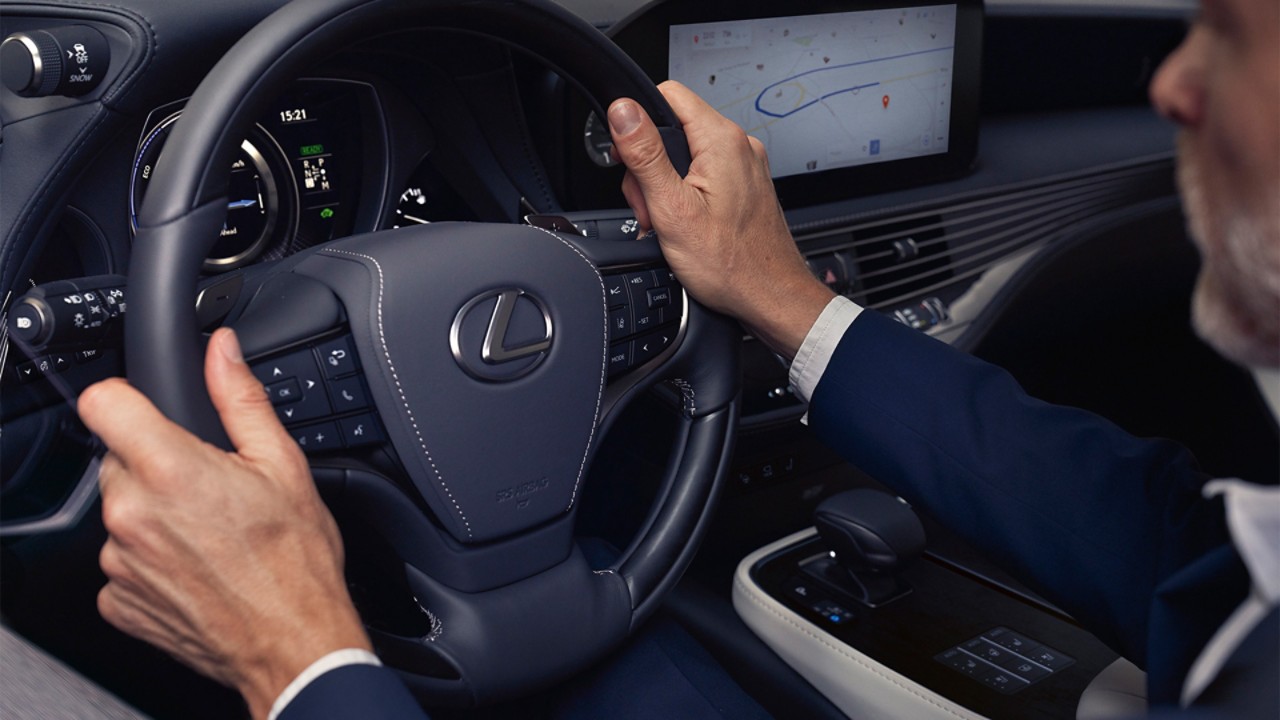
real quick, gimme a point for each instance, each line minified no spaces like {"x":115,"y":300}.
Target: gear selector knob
{"x":874,"y":536}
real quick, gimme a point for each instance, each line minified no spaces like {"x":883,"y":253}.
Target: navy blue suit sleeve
{"x":367,"y":692}
{"x":1100,"y":522}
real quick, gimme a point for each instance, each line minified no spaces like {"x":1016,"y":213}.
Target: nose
{"x":1177,"y":90}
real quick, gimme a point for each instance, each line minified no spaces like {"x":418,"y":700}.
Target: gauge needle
{"x":241,"y":204}
{"x":418,"y":220}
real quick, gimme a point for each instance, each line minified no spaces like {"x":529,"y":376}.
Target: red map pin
{"x":885,"y":100}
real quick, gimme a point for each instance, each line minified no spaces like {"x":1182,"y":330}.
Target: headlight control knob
{"x":69,"y":60}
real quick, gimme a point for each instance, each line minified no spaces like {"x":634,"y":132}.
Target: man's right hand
{"x":720,"y":227}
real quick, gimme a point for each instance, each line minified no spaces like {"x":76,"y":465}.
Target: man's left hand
{"x":228,"y":561}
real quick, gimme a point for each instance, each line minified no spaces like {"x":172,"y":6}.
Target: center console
{"x":951,"y":645}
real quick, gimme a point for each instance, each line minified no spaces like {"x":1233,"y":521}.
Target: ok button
{"x":284,"y":392}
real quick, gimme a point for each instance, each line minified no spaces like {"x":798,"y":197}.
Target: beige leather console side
{"x":861,"y":687}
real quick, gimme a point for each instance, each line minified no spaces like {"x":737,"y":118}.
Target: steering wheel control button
{"x":619,"y":323}
{"x":284,"y":392}
{"x":620,"y":358}
{"x":641,"y":303}
{"x":647,"y":347}
{"x":348,"y":394}
{"x":361,"y":430}
{"x":337,"y":357}
{"x":638,"y":283}
{"x":615,"y":290}
{"x":1004,"y":660}
{"x":647,"y":319}
{"x":295,"y":386}
{"x":318,"y":438}
{"x":68,"y":61}
{"x":659,"y":297}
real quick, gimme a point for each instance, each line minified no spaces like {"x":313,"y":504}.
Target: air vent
{"x":899,"y":258}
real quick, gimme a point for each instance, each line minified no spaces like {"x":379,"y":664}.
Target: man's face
{"x":1223,"y":86}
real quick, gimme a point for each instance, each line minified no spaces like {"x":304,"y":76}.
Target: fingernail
{"x":624,"y":118}
{"x":230,"y":347}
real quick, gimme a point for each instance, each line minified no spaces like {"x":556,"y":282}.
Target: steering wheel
{"x":486,"y":351}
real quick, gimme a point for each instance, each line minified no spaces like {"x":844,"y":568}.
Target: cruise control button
{"x":337,"y":357}
{"x":639,"y":282}
{"x":659,"y":297}
{"x":647,"y":319}
{"x":619,"y":323}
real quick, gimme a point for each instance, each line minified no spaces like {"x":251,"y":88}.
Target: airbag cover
{"x":494,"y":446}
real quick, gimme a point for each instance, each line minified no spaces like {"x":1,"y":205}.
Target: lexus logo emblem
{"x":501,"y":335}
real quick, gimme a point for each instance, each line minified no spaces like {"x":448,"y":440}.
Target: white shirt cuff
{"x":332,"y":661}
{"x":820,"y":344}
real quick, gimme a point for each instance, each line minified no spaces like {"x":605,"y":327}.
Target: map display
{"x":827,"y":91}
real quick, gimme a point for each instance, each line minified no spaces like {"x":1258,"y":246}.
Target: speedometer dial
{"x":253,"y":201}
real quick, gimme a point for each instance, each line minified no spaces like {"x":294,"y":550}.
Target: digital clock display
{"x":293,"y":115}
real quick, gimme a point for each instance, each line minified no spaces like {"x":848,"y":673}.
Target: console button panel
{"x":1004,"y":660}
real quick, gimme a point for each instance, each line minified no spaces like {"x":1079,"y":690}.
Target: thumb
{"x":247,"y":414}
{"x":639,"y":146}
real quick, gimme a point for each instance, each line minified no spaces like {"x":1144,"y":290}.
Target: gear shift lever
{"x":874,"y":536}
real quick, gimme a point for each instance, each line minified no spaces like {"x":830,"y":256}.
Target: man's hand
{"x":720,"y":227}
{"x":228,"y":561}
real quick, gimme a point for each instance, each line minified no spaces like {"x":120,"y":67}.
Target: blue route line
{"x":811,"y":103}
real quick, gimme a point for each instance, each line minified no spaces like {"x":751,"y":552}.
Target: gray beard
{"x":1236,"y":306}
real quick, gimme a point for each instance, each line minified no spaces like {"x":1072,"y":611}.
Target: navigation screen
{"x":828,"y":91}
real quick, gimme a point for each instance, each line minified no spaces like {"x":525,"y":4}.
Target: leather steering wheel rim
{"x":178,"y":224}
